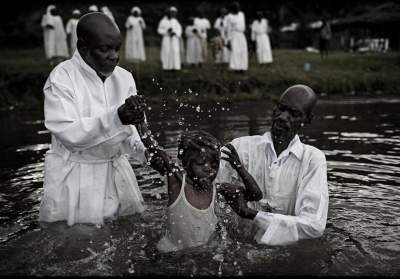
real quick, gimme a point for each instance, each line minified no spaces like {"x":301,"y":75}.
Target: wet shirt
{"x":188,"y":226}
{"x":293,"y":184}
{"x":87,"y":175}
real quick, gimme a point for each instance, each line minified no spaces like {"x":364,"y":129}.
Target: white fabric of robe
{"x":87,"y":175}
{"x":55,"y":40}
{"x":193,"y":46}
{"x":170,"y":45}
{"x":71,"y":30}
{"x":259,"y":34}
{"x":238,"y":59}
{"x":221,"y":24}
{"x":294,"y":185}
{"x":134,"y":43}
{"x":203,"y":24}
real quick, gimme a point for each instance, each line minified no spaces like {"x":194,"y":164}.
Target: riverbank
{"x":23,"y":73}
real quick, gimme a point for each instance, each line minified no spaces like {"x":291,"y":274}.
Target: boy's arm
{"x":252,"y":192}
{"x":158,"y":158}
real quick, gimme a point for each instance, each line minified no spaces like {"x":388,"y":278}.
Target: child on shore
{"x":191,"y":193}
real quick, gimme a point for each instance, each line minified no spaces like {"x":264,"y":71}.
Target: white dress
{"x":55,"y":40}
{"x":170,"y":46}
{"x":193,"y":46}
{"x":187,"y":226}
{"x":293,"y":184}
{"x":238,"y":59}
{"x":134,"y":43}
{"x":259,"y":34}
{"x":221,"y":24}
{"x":87,"y":175}
{"x":203,"y":24}
{"x":71,"y":30}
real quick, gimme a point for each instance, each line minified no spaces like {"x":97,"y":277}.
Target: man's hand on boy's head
{"x":233,"y":157}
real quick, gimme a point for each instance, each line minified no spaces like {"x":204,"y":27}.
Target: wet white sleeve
{"x":311,"y":212}
{"x":79,"y":133}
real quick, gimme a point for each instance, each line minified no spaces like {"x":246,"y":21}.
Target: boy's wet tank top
{"x":188,"y":226}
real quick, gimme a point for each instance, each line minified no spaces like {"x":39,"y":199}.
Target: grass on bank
{"x":23,"y":73}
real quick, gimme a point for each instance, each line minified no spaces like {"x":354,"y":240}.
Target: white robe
{"x":170,"y":46}
{"x":294,"y":184}
{"x":236,"y":26}
{"x":193,"y":46}
{"x":259,"y":34}
{"x":221,"y":24}
{"x":134,"y":43}
{"x":71,"y":30}
{"x":55,"y":40}
{"x":203,"y":24}
{"x":87,"y":175}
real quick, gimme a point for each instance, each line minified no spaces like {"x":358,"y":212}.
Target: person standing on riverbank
{"x":292,"y":176}
{"x":221,"y":25}
{"x":325,"y":35}
{"x":55,"y":42}
{"x":259,"y":34}
{"x":193,"y":44}
{"x":89,"y":109}
{"x":170,"y":30}
{"x":71,"y":31}
{"x":134,"y":43}
{"x":202,"y":24}
{"x":236,"y":25}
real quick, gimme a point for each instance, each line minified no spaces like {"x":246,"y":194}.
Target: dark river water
{"x":361,"y":140}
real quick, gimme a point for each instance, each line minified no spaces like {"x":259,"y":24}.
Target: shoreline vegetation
{"x":23,"y":73}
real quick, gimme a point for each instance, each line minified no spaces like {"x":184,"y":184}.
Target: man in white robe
{"x":203,"y":24}
{"x":55,"y":38}
{"x":236,"y":25}
{"x":292,"y":176}
{"x":259,"y":34}
{"x":221,"y":24}
{"x":194,"y":55}
{"x":170,"y":30}
{"x":71,"y":31}
{"x":134,"y":44}
{"x":87,"y":176}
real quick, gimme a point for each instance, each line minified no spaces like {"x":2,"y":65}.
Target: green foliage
{"x":23,"y":73}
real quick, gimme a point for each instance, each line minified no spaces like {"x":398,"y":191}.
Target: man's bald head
{"x":99,"y":41}
{"x":91,"y":25}
{"x":304,"y":95}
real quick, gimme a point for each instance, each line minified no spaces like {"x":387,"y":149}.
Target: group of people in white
{"x":228,"y":42}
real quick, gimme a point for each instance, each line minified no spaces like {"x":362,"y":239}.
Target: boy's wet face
{"x":203,"y":167}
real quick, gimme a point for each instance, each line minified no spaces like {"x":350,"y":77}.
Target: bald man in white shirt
{"x":291,"y":175}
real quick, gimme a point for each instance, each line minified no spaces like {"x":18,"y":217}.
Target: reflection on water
{"x":361,"y":141}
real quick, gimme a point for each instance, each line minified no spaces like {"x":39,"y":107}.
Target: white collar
{"x":295,"y":146}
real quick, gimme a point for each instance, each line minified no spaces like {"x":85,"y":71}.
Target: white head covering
{"x":76,"y":12}
{"x":93,"y":8}
{"x":105,"y":9}
{"x":173,"y":9}
{"x":49,"y":8}
{"x":137,"y":9}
